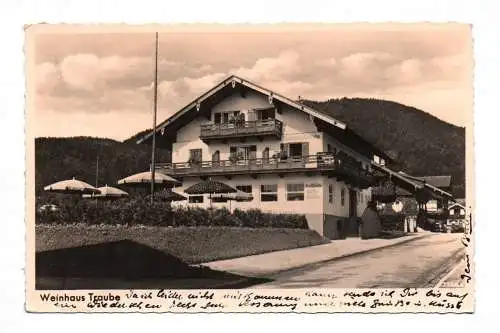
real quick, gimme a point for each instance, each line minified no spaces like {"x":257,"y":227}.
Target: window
{"x":196,"y":199}
{"x":266,"y":114}
{"x":195,"y":156}
{"x":295,"y":192}
{"x":342,"y":197}
{"x":265,"y":155}
{"x":329,"y":148}
{"x":243,"y":153}
{"x":245,"y":188}
{"x":217,"y":118}
{"x":225,"y":117}
{"x":330,"y":193}
{"x":297,"y":149}
{"x":269,"y":192}
{"x":219,"y":199}
{"x":216,"y":158}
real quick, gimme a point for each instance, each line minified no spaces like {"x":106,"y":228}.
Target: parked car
{"x":437,"y":227}
{"x":446,"y":228}
{"x":457,"y":227}
{"x":48,"y":208}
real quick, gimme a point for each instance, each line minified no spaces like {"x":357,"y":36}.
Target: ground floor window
{"x":244,"y":188}
{"x":196,"y":199}
{"x":295,"y":192}
{"x":330,"y":193}
{"x":342,"y":197}
{"x":269,"y":192}
{"x":219,"y":199}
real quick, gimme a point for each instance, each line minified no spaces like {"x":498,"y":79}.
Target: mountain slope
{"x":63,"y":158}
{"x":421,"y":143}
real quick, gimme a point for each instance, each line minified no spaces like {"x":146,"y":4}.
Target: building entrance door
{"x":353,"y":225}
{"x":353,"y":203}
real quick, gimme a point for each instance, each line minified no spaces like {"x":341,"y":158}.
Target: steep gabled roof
{"x":407,"y":183}
{"x":253,"y":86}
{"x":234,"y":80}
{"x":426,"y":182}
{"x":436,"y":181}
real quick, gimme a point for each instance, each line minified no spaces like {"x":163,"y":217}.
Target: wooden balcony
{"x":343,"y":167}
{"x":260,"y":128}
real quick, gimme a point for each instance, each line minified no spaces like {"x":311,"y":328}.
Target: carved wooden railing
{"x":320,"y":161}
{"x":259,"y":127}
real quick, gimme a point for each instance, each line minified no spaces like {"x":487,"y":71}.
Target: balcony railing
{"x":271,"y":127}
{"x":338,"y":164}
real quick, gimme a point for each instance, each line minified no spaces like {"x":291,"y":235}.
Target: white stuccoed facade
{"x":318,"y":202}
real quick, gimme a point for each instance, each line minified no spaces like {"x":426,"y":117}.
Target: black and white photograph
{"x":329,"y":164}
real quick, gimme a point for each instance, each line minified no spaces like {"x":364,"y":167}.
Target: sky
{"x":99,"y":82}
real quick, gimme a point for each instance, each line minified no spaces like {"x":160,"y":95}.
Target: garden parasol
{"x":107,"y":192}
{"x":143,"y":179}
{"x":169,"y":195}
{"x":238,"y":196}
{"x":210,"y":187}
{"x":72,"y":186}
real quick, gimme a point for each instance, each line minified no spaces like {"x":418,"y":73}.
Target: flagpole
{"x":155,"y":87}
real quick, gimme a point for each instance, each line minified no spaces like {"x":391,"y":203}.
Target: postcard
{"x":250,"y":168}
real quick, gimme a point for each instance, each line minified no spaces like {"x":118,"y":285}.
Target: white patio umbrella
{"x":72,"y":186}
{"x":144,"y":178}
{"x":210,"y":187}
{"x":107,"y":192}
{"x":238,"y":196}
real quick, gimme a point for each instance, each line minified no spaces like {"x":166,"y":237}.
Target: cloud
{"x":201,"y":84}
{"x":47,"y":77}
{"x":119,"y":81}
{"x":361,"y":64}
{"x":285,"y":65}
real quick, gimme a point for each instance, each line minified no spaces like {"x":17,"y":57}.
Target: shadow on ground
{"x":126,"y":264}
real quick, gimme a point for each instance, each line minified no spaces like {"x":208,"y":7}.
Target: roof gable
{"x":233,"y":81}
{"x":455,"y":205}
{"x":227,"y":86}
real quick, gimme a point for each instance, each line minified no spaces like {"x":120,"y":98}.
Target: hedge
{"x":139,"y":211}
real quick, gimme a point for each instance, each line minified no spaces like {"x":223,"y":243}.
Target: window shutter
{"x":305,"y":149}
{"x":251,"y":115}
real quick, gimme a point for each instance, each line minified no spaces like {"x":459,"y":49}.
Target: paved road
{"x":419,"y":263}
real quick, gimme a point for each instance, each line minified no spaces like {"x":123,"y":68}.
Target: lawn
{"x":120,"y":257}
{"x":190,"y":244}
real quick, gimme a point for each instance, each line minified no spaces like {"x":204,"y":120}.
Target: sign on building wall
{"x":313,"y":191}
